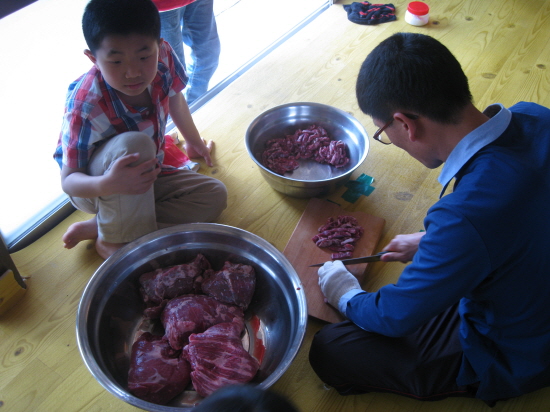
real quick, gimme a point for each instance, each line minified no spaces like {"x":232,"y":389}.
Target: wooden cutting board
{"x":301,"y":251}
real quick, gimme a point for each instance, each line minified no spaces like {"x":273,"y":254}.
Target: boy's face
{"x":127,"y":62}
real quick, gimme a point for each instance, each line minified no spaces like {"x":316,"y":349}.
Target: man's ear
{"x":90,"y":56}
{"x":409,"y":125}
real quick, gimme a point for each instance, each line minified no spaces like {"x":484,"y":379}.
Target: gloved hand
{"x":335,"y":281}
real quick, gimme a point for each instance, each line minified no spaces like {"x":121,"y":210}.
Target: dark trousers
{"x":423,"y":365}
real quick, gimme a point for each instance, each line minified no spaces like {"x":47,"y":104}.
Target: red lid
{"x":418,"y":8}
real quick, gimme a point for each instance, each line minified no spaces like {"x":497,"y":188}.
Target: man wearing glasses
{"x":470,"y":316}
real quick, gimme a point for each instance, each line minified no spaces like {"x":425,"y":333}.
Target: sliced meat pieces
{"x":157,"y":373}
{"x":334,"y":154}
{"x":233,"y":284}
{"x":341,"y":255}
{"x":281,"y":154}
{"x":218,"y":359}
{"x":168,"y":283}
{"x":194,"y":314}
{"x":278,"y":160}
{"x":339,"y":235}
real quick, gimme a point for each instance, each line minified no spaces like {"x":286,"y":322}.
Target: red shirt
{"x":165,"y":5}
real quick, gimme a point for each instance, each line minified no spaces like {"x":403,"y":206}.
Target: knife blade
{"x":355,"y":261}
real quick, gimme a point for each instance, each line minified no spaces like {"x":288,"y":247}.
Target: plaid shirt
{"x":94,"y":113}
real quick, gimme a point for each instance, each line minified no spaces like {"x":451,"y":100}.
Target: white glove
{"x":335,"y":281}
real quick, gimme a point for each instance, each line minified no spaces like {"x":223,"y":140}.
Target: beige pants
{"x":182,"y":197}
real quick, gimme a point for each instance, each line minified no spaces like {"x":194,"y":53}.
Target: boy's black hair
{"x":119,"y":17}
{"x":415,"y":73}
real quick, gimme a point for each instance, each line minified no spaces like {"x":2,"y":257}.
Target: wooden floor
{"x":504,"y":47}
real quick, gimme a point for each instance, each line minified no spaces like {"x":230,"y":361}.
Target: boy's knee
{"x":134,"y":142}
{"x":119,"y":146}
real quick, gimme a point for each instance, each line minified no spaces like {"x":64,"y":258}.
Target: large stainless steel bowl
{"x":110,"y":310}
{"x":311,"y":178}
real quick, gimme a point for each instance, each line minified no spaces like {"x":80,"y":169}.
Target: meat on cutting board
{"x":157,"y":372}
{"x":194,"y":314}
{"x":233,"y":284}
{"x":218,"y":359}
{"x":168,"y":283}
{"x":339,"y":235}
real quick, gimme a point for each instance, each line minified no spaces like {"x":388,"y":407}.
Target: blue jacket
{"x":487,"y":245}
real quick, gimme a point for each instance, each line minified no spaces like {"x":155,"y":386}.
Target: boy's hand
{"x":126,"y":179}
{"x":200,"y":149}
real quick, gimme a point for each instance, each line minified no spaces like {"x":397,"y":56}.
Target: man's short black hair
{"x":119,"y":17}
{"x":415,"y":73}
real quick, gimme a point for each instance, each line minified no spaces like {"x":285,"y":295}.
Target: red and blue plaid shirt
{"x":94,"y":113}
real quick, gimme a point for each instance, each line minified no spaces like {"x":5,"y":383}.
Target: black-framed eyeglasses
{"x":382,"y":137}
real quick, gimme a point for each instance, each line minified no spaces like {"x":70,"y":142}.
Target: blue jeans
{"x":194,"y":25}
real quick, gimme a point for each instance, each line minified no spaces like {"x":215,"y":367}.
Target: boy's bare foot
{"x":80,"y":231}
{"x":87,"y":230}
{"x":106,"y":249}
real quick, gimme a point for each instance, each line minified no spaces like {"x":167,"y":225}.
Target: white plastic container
{"x":417,"y":13}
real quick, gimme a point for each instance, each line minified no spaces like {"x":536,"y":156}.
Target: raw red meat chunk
{"x":189,"y":314}
{"x":233,"y":284}
{"x":218,"y":359}
{"x":281,"y":154}
{"x":168,"y":283}
{"x":339,"y":235}
{"x":177,"y":296}
{"x":157,"y":372}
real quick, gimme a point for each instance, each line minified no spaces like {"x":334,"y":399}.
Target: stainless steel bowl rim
{"x":311,"y":104}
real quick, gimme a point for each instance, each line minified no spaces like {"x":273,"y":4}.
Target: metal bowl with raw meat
{"x":110,"y":314}
{"x":311,"y":178}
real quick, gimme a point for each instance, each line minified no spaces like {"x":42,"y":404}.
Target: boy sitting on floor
{"x":111,"y":147}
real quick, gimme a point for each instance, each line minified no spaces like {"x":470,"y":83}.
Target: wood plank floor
{"x":504,"y":47}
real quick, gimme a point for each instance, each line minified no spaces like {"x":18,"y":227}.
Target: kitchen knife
{"x":355,"y":261}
